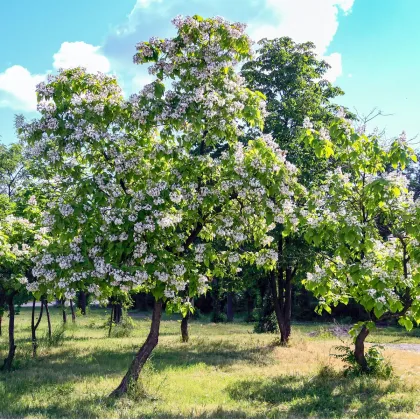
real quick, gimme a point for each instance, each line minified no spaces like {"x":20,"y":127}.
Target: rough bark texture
{"x":359,"y":349}
{"x":184,"y":328}
{"x":34,"y":326}
{"x":47,"y":311}
{"x":12,"y":347}
{"x":229,"y":307}
{"x":142,"y":355}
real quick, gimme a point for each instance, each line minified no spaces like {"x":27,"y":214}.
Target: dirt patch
{"x":335,"y":330}
{"x":406,"y":347}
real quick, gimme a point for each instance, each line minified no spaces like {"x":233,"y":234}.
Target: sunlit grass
{"x":225,"y":371}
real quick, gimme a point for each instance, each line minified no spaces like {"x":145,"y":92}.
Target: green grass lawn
{"x":225,"y":371}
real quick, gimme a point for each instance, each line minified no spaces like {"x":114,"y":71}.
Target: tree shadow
{"x":327,"y":395}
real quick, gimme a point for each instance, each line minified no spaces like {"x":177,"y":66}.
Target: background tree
{"x":365,"y":218}
{"x":292,"y":78}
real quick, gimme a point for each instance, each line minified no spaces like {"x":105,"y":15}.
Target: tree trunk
{"x":111,"y":320}
{"x":229,"y":311}
{"x":34,"y":326}
{"x":184,"y":328}
{"x":73,"y":314}
{"x":64,"y":312}
{"x":12,"y":347}
{"x":47,"y":311}
{"x":117,"y":312}
{"x":359,"y":349}
{"x":143,"y":354}
{"x":82,"y":302}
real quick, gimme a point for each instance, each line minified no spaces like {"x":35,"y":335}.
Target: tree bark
{"x":184,"y":328}
{"x":111,"y":320}
{"x":359,"y":349}
{"x":64,"y":312}
{"x":117,"y":312}
{"x":82,"y":302}
{"x":34,"y":326}
{"x":12,"y":347}
{"x":47,"y":311}
{"x":73,"y":314}
{"x":230,"y":310}
{"x":142,"y":355}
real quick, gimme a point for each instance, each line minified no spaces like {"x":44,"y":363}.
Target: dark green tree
{"x":291,"y":76}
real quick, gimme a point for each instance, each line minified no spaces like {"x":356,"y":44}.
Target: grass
{"x":225,"y":371}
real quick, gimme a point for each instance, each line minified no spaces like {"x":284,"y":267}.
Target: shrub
{"x":377,"y":365}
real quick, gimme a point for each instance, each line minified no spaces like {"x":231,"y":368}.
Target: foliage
{"x":377,"y":365}
{"x":366,"y":219}
{"x":146,"y":187}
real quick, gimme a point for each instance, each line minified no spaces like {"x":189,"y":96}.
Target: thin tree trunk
{"x":359,"y":349}
{"x":230,"y":310}
{"x":47,"y":311}
{"x":184,"y":328}
{"x":12,"y":347}
{"x":64,"y":312}
{"x":34,"y":326}
{"x":142,"y":355}
{"x":73,"y":314}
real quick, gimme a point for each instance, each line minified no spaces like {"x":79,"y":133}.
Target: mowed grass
{"x":225,"y":371}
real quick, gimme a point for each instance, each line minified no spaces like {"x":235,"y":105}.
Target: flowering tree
{"x":146,"y":188}
{"x":365,"y":219}
{"x":20,"y":240}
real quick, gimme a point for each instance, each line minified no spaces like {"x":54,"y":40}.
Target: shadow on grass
{"x":327,"y":395}
{"x":55,"y":374}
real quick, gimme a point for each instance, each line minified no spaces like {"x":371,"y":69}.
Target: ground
{"x":226,"y":371}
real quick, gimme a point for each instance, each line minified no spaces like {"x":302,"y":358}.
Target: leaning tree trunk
{"x":359,"y":349}
{"x":142,"y":355}
{"x":73,"y":314}
{"x":34,"y":326}
{"x":184,"y":328}
{"x":12,"y":347}
{"x":47,"y":311}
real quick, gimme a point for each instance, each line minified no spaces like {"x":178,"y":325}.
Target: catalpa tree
{"x":21,"y":239}
{"x":145,"y":188}
{"x":364,"y":217}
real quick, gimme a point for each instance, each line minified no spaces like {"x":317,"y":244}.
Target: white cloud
{"x":17,"y":84}
{"x":74,"y":54}
{"x":336,"y":70}
{"x":305,"y":20}
{"x":145,"y":3}
{"x":17,"y":88}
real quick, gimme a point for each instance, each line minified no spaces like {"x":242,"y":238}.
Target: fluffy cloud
{"x":74,"y":54}
{"x":305,"y":20}
{"x":17,"y":88}
{"x":17,"y":84}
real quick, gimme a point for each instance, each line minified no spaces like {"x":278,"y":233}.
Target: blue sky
{"x":372,"y":46}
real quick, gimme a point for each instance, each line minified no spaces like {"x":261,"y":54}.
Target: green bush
{"x":377,"y":365}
